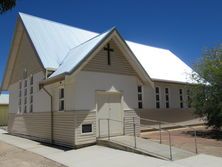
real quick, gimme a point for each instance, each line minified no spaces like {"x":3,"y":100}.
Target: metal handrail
{"x":184,"y":126}
{"x":108,"y":127}
{"x":134,"y":127}
{"x":170,"y":140}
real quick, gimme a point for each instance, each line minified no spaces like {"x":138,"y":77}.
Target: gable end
{"x":117,"y":64}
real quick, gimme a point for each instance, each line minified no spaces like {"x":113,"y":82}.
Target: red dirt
{"x":208,"y":141}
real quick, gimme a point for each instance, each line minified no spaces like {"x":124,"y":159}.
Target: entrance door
{"x":109,"y":106}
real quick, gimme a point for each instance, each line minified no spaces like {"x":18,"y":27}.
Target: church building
{"x":68,"y":85}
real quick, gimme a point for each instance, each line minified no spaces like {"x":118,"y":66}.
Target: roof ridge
{"x":154,"y":47}
{"x":67,"y":25}
{"x":55,"y":22}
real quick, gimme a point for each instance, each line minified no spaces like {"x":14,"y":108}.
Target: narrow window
{"x":166,"y":90}
{"x":20,"y":97}
{"x":61,"y":99}
{"x":20,"y":109}
{"x":31,"y":90}
{"x":140,"y":97}
{"x":25,"y":73}
{"x":25,"y":101}
{"x":25,"y":83}
{"x":140,"y":104}
{"x":25,"y":92}
{"x":31,"y":80}
{"x":167,"y":97}
{"x":20,"y":84}
{"x":157,"y":104}
{"x":30,"y":108}
{"x":157,"y":90}
{"x":31,"y":104}
{"x":31,"y":99}
{"x":188,"y":99}
{"x":25,"y":109}
{"x":31,"y":94}
{"x":167,"y":105}
{"x":157,"y":97}
{"x":181,"y":98}
{"x":181,"y":105}
{"x":61,"y":93}
{"x":20,"y":101}
{"x":87,"y":128}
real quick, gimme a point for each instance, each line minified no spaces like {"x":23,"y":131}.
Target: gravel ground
{"x":11,"y":156}
{"x":208,"y":141}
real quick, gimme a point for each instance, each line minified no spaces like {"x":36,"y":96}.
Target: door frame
{"x":121,"y":106}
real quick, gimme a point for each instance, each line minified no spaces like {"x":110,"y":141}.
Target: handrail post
{"x":171,"y":157}
{"x":99,"y":127}
{"x":160,"y":133}
{"x":124,"y":126}
{"x":134,"y":130}
{"x":108,"y":129}
{"x":195,"y":139}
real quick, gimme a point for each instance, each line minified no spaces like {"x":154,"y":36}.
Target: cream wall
{"x":80,"y":91}
{"x":41,"y":101}
{"x":149,"y":95}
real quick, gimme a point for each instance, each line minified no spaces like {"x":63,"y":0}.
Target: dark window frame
{"x":88,"y":130}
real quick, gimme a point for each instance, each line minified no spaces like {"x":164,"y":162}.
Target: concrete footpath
{"x":100,"y":156}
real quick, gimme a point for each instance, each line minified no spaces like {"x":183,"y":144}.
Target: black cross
{"x":108,"y":49}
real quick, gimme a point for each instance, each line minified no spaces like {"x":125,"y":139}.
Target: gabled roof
{"x":57,"y":43}
{"x":53,"y":40}
{"x":76,"y":55}
{"x":161,"y":64}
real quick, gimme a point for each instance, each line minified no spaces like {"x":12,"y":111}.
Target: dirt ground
{"x":11,"y":156}
{"x":208,"y":141}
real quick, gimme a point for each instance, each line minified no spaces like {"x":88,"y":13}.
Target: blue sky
{"x":186,"y":27}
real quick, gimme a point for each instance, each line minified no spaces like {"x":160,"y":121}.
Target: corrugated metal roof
{"x":4,"y":99}
{"x":54,"y":40}
{"x":79,"y":53}
{"x":161,"y":64}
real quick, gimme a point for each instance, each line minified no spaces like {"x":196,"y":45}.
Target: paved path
{"x":149,"y":147}
{"x":98,"y":156}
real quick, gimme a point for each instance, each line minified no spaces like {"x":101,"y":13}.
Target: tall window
{"x":188,"y":99}
{"x":181,"y":97}
{"x":167,"y":97}
{"x":61,"y":99}
{"x":157,"y":90}
{"x":25,"y":96}
{"x":20,"y":97}
{"x":31,"y":94}
{"x":140,"y":97}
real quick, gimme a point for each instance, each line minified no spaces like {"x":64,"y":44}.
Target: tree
{"x":6,"y":5}
{"x":207,"y":94}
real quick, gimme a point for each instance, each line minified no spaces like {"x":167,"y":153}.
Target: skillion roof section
{"x":54,"y":40}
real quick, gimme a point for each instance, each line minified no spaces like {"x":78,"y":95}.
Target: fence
{"x":158,"y":127}
{"x":160,"y":124}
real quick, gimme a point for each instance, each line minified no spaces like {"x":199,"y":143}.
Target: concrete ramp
{"x":145,"y":147}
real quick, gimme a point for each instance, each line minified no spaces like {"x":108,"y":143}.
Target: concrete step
{"x":145,"y":147}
